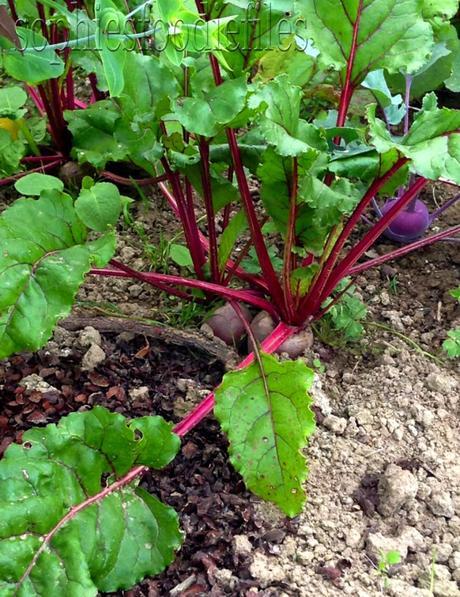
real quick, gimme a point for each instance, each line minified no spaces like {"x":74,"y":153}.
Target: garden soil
{"x":384,"y":461}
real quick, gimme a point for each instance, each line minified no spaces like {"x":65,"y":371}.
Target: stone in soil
{"x":377,"y":545}
{"x":93,"y":358}
{"x":89,"y":336}
{"x":396,"y":488}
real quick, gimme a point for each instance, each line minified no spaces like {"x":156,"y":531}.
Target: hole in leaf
{"x":27,"y":445}
{"x":104,"y":479}
{"x":138,"y":435}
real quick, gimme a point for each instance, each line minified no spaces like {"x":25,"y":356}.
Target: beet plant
{"x":211,"y":100}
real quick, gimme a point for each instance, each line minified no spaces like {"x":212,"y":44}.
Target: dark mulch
{"x":200,"y":484}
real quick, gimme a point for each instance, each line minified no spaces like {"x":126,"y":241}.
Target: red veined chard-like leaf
{"x":369,"y":34}
{"x":74,"y":521}
{"x":265,"y":412}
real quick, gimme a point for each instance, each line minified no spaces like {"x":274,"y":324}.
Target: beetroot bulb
{"x":226,"y":324}
{"x":263,"y":325}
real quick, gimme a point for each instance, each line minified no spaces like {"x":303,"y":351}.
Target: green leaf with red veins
{"x":265,"y":411}
{"x":275,"y":174}
{"x":260,"y":26}
{"x":319,"y":207}
{"x":390,"y":34}
{"x":74,"y":521}
{"x":432,"y":143}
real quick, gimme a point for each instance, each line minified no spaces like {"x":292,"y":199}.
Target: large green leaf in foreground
{"x":265,"y":412}
{"x":72,"y":521}
{"x":44,"y":257}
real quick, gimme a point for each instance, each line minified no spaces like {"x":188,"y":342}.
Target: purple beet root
{"x":226,"y":324}
{"x":262,"y":325}
{"x":71,"y":174}
{"x":409,"y":224}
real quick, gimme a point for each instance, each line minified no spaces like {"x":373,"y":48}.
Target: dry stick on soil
{"x":197,"y":342}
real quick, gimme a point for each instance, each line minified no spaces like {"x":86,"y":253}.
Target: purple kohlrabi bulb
{"x":410,"y":223}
